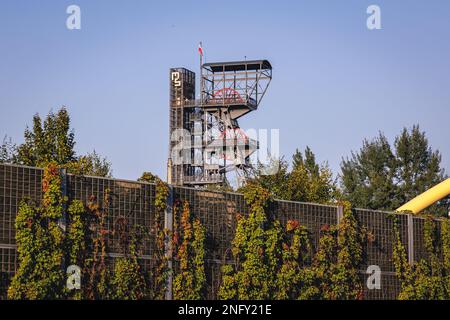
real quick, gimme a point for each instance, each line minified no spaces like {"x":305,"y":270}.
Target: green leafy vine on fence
{"x":291,"y":280}
{"x":428,"y":278}
{"x":351,"y":237}
{"x":98,"y":275}
{"x":272,"y":263}
{"x":334,"y":273}
{"x":78,"y":243}
{"x":160,"y":269}
{"x":127,"y":281}
{"x":445,"y":235}
{"x":190,"y":280}
{"x":249,"y":277}
{"x":40,"y":242}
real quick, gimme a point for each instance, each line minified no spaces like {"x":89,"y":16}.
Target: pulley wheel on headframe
{"x":228,"y":95}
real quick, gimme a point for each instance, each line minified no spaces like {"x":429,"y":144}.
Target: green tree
{"x":418,"y":167}
{"x":368,"y":176}
{"x":380,"y":177}
{"x":51,"y":141}
{"x":308,"y":161}
{"x":272,"y":176}
{"x":31,"y":149}
{"x":307,"y":181}
{"x":8,"y":151}
{"x":91,"y":164}
{"x":149,"y":177}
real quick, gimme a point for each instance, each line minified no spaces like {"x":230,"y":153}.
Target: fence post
{"x":168,"y":225}
{"x":410,"y":239}
{"x":63,"y":221}
{"x":340,"y":213}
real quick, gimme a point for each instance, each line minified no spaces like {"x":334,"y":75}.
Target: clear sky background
{"x":334,"y":81}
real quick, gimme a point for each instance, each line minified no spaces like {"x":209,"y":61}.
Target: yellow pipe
{"x":427,"y":198}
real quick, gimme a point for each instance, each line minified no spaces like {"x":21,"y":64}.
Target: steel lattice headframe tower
{"x":205,"y":139}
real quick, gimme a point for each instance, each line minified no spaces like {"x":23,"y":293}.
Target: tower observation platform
{"x":206,"y":141}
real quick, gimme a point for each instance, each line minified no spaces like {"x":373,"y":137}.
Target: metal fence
{"x":135,"y":201}
{"x":379,"y":250}
{"x":130,"y":200}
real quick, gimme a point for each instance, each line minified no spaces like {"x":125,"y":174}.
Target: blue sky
{"x":334,"y":81}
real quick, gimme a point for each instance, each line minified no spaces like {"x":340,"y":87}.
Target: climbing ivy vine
{"x":77,"y":243}
{"x":128,"y":282}
{"x":428,"y":278}
{"x":190,"y":280}
{"x":97,"y":273}
{"x":251,"y":276}
{"x":44,"y":250}
{"x":160,"y":269}
{"x":40,"y":244}
{"x":272,"y":263}
{"x":445,"y":235}
{"x":333,"y":273}
{"x":291,"y":278}
{"x":269,"y":260}
{"x":350,"y":240}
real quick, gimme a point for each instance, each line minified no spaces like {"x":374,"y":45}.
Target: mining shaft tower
{"x":206,"y":141}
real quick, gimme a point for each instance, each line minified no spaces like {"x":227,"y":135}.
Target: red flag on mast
{"x":200,"y":49}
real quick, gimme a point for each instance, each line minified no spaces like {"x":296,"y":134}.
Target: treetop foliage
{"x":149,"y":177}
{"x":382,"y":177}
{"x":308,"y":181}
{"x":53,"y":140}
{"x":379,"y":176}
